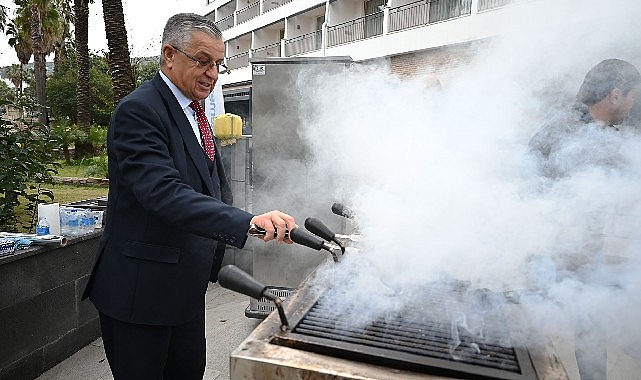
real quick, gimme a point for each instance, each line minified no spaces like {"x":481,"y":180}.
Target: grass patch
{"x":64,"y":193}
{"x":71,"y":171}
{"x":95,"y":167}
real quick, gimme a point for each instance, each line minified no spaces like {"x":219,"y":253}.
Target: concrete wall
{"x":42,"y":319}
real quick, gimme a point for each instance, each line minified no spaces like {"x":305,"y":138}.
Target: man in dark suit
{"x":168,"y":214}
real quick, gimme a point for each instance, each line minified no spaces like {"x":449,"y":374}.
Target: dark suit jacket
{"x":164,"y":214}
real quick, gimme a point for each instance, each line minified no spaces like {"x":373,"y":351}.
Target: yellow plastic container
{"x":228,"y":126}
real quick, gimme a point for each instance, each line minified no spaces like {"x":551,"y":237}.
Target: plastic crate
{"x":261,"y":308}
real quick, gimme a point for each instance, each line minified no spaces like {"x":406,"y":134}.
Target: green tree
{"x":62,"y":94}
{"x":7,"y":93}
{"x":145,"y":69}
{"x":101,"y":90}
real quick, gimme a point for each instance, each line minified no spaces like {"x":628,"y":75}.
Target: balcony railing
{"x":354,"y":30}
{"x":272,"y":50}
{"x":446,"y":9}
{"x":238,"y":60}
{"x":225,"y":23}
{"x":422,"y":12}
{"x":248,"y":12}
{"x":489,"y":4}
{"x":303,"y":44}
{"x":409,"y":15}
{"x":268,"y":5}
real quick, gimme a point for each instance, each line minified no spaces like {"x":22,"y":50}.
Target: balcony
{"x":426,"y":21}
{"x":409,"y":16}
{"x":248,"y":12}
{"x":445,"y":10}
{"x":490,"y":4}
{"x":272,"y":50}
{"x":268,"y":5}
{"x":304,"y":44}
{"x":354,"y":30}
{"x":425,"y":12}
{"x":225,"y":23}
{"x":238,"y":60}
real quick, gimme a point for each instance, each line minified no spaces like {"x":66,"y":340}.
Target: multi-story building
{"x":415,"y":37}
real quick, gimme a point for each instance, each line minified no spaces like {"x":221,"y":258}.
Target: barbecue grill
{"x":411,"y":344}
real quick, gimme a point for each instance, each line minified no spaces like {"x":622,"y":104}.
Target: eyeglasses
{"x":204,"y":64}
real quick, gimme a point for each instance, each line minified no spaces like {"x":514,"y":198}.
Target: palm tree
{"x":59,"y":42}
{"x":16,"y":77}
{"x":83,"y":87}
{"x":39,"y":60}
{"x":3,"y":17}
{"x":119,"y":61}
{"x":20,"y":41}
{"x":44,"y":22}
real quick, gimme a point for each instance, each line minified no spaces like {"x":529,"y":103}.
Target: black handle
{"x":302,"y":237}
{"x":317,"y":227}
{"x":234,"y":278}
{"x":340,"y":209}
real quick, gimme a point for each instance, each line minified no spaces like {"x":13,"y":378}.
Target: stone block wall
{"x":42,"y":319}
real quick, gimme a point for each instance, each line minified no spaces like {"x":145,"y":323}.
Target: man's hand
{"x":275,"y":221}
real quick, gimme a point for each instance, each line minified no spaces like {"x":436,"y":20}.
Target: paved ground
{"x":226,"y":328}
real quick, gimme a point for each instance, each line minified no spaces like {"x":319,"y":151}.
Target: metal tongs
{"x":258,"y":232}
{"x":302,"y":237}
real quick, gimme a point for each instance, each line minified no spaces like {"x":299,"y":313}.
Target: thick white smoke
{"x":444,"y":187}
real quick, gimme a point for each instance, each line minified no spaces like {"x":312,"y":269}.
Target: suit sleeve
{"x":148,"y":149}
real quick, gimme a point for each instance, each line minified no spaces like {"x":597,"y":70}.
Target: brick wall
{"x":443,"y":62}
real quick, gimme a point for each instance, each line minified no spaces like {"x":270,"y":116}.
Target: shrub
{"x":96,"y":166}
{"x":27,"y":162}
{"x":63,"y":134}
{"x":98,"y":138}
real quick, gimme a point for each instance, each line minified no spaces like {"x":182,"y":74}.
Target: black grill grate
{"x":411,"y":340}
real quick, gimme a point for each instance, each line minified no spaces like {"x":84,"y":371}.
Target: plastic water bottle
{"x":97,"y":216}
{"x":69,"y":223}
{"x":86,"y":221}
{"x":64,"y":221}
{"x":74,"y":222}
{"x":42,"y":228}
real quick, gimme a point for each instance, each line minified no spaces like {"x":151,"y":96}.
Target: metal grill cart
{"x":280,"y":176}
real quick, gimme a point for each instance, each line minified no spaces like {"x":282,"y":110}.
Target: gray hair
{"x":180,"y":27}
